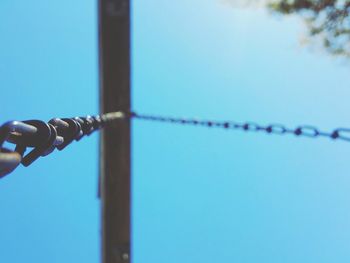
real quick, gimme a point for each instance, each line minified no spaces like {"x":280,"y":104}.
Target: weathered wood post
{"x":114,"y":55}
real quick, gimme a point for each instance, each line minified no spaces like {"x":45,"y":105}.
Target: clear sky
{"x":199,"y":195}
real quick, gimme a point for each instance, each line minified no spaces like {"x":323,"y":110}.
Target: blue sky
{"x":199,"y":195}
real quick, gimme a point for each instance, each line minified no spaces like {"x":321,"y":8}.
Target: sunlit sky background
{"x":199,"y":195}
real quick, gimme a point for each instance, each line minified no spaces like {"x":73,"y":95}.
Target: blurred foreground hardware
{"x":43,"y":138}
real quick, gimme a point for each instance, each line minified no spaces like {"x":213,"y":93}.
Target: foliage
{"x":326,"y":19}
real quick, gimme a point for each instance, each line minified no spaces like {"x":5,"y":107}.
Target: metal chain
{"x":44,"y":137}
{"x":278,"y":129}
{"x":58,"y":133}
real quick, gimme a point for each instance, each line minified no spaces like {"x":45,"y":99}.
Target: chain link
{"x":43,"y":138}
{"x":58,"y":133}
{"x":277,"y":129}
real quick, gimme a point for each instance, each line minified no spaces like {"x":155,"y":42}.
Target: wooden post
{"x":114,"y":54}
